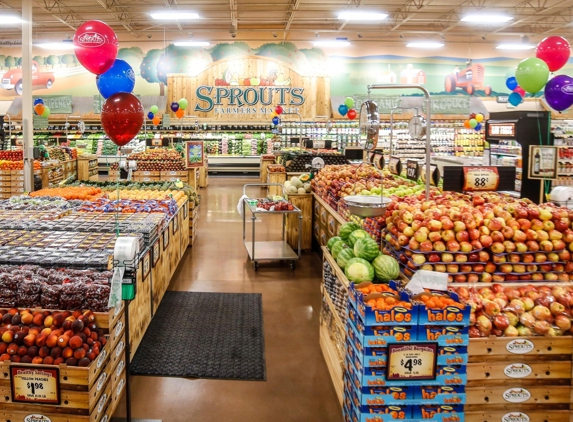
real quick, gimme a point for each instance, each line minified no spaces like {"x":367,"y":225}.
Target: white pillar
{"x":27,"y":110}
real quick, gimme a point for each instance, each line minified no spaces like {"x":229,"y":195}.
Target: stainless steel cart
{"x":269,"y":250}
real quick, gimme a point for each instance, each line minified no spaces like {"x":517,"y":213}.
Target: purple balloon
{"x":559,"y":92}
{"x":174,"y":106}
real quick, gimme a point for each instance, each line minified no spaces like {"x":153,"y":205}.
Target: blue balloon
{"x":119,"y":78}
{"x":276,"y":121}
{"x":478,"y":127}
{"x":342,"y":109}
{"x":174,"y":106}
{"x":38,"y":101}
{"x":150,"y":115}
{"x":511,"y":83}
{"x":515,"y":99}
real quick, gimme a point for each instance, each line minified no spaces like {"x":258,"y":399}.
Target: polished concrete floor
{"x":298,"y":387}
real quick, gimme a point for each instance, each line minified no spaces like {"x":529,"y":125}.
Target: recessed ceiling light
{"x":191,"y":43}
{"x":56,"y":45}
{"x":486,"y":18}
{"x":516,"y":46}
{"x":362,"y":16}
{"x":10,"y":19}
{"x":425,"y":44}
{"x":172,"y":16}
{"x":331,"y":43}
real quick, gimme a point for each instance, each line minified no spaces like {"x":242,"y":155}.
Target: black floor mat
{"x":204,"y":335}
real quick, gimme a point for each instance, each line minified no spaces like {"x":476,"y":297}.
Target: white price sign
{"x":481,"y":179}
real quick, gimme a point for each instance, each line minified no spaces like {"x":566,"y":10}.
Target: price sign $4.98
{"x":410,"y":363}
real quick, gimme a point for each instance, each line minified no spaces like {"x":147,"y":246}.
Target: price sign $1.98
{"x":481,"y":179}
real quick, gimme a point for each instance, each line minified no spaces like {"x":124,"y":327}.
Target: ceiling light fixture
{"x":362,"y":16}
{"x":172,"y":16}
{"x":191,"y":43}
{"x":486,"y":18}
{"x":515,"y":46}
{"x":425,"y":44}
{"x":331,"y":43}
{"x":10,"y":19}
{"x":64,"y":45}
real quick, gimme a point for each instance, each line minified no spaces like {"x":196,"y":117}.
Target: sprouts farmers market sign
{"x":248,"y":100}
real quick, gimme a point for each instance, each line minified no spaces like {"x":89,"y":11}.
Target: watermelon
{"x":331,"y":242}
{"x":346,"y":229}
{"x":357,"y":234}
{"x":358,"y":270}
{"x":344,"y":256}
{"x":337,"y":247}
{"x":386,"y":268}
{"x":366,"y":248}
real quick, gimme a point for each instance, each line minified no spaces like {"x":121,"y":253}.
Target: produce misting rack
{"x":269,"y":250}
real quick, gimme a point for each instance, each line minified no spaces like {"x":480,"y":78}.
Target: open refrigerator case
{"x":509,"y":136}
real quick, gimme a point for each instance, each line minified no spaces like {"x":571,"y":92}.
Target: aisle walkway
{"x":298,"y":386}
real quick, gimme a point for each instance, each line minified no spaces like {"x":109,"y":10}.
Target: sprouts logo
{"x":517,"y":370}
{"x":37,"y":418}
{"x":91,"y":39}
{"x":519,"y":347}
{"x":131,"y":75}
{"x":567,"y":89}
{"x":517,"y":395}
{"x":515,"y":417}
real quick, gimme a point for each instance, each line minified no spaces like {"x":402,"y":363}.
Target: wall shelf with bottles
{"x":562,"y":131}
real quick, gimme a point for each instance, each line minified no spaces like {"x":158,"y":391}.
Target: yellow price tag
{"x":481,"y":179}
{"x":412,"y":361}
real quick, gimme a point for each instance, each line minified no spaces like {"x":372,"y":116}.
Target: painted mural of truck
{"x":13,"y":78}
{"x":469,"y":79}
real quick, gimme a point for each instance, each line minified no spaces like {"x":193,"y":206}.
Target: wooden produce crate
{"x":139,"y":173}
{"x":276,"y":177}
{"x":203,"y":177}
{"x":146,"y":178}
{"x":527,"y":375}
{"x":304,"y":203}
{"x":264,"y":168}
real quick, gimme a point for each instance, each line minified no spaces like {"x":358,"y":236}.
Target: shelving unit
{"x":563,"y":132}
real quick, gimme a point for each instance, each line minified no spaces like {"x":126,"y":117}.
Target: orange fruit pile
{"x":71,"y":192}
{"x":386,"y":303}
{"x":438,"y":302}
{"x":377,"y":288}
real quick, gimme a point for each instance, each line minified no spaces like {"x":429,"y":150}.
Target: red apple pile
{"x":50,"y":338}
{"x":519,"y":311}
{"x":486,"y":238}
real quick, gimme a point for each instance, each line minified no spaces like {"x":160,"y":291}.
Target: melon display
{"x":291,"y":189}
{"x":386,"y":268}
{"x":304,"y":178}
{"x":337,"y":247}
{"x":296,"y":182}
{"x":307,"y":187}
{"x":359,"y":270}
{"x":344,"y":256}
{"x":331,"y":242}
{"x":301,"y":191}
{"x":366,"y":248}
{"x":346,"y":229}
{"x":357,"y":234}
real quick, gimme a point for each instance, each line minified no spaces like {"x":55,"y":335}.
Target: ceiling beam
{"x":233,"y":7}
{"x":290,"y":13}
{"x":170,"y":4}
{"x":124,"y":18}
{"x":62,"y":13}
{"x":358,"y":4}
{"x":407,"y":12}
{"x":539,"y":7}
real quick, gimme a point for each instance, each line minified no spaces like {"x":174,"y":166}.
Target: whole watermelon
{"x":386,"y":268}
{"x":357,"y":234}
{"x":346,"y":229}
{"x":337,"y":247}
{"x":358,"y":270}
{"x":331,"y":242}
{"x":366,"y":248}
{"x":344,"y":256}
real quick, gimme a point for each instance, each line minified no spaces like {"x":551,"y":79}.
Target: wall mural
{"x":62,"y":74}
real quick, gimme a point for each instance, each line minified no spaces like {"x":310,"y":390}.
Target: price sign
{"x":481,"y":179}
{"x":35,"y":384}
{"x":146,"y":265}
{"x":412,"y":169}
{"x":395,"y":165}
{"x":412,"y":361}
{"x":156,"y":252}
{"x":434,"y":175}
{"x":319,"y":144}
{"x":156,"y":142}
{"x":378,"y":160}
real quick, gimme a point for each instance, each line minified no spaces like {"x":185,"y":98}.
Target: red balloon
{"x":95,"y":45}
{"x":122,"y":117}
{"x":351,"y":114}
{"x":554,"y":51}
{"x":279,"y":110}
{"x":520,"y":91}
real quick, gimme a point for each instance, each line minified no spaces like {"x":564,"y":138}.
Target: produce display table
{"x":304,"y":203}
{"x":277,"y":180}
{"x":264,"y":168}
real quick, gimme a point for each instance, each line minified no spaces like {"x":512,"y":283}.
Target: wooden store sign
{"x":35,"y":384}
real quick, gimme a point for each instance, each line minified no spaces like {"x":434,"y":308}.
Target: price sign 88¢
{"x":481,"y":179}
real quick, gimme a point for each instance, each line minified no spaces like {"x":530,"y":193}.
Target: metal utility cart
{"x":269,"y":250}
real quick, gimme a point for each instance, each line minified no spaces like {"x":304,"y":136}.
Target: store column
{"x":28,"y":130}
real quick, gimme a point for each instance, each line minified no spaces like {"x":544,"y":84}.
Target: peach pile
{"x":50,"y":338}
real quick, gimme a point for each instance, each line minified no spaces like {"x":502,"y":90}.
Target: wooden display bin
{"x":276,"y":177}
{"x":203,"y":177}
{"x":304,"y":203}
{"x":85,"y":163}
{"x":265,"y":162}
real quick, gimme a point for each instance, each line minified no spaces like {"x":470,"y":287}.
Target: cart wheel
{"x":292,"y":265}
{"x":256,"y":265}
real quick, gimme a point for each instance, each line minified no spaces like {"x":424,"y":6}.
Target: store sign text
{"x":239,"y":100}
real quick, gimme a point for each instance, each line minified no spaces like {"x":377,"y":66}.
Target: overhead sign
{"x":440,"y":104}
{"x":58,"y":104}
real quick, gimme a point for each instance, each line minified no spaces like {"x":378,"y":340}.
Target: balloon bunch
{"x":347,"y":108}
{"x":275,"y":115}
{"x":95,"y":47}
{"x":532,"y":74}
{"x":152,"y":115}
{"x":178,"y":107}
{"x":40,"y":108}
{"x":516,"y":97}
{"x":474,"y":122}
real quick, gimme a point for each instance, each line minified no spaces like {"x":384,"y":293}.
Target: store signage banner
{"x":440,"y":104}
{"x":58,"y":104}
